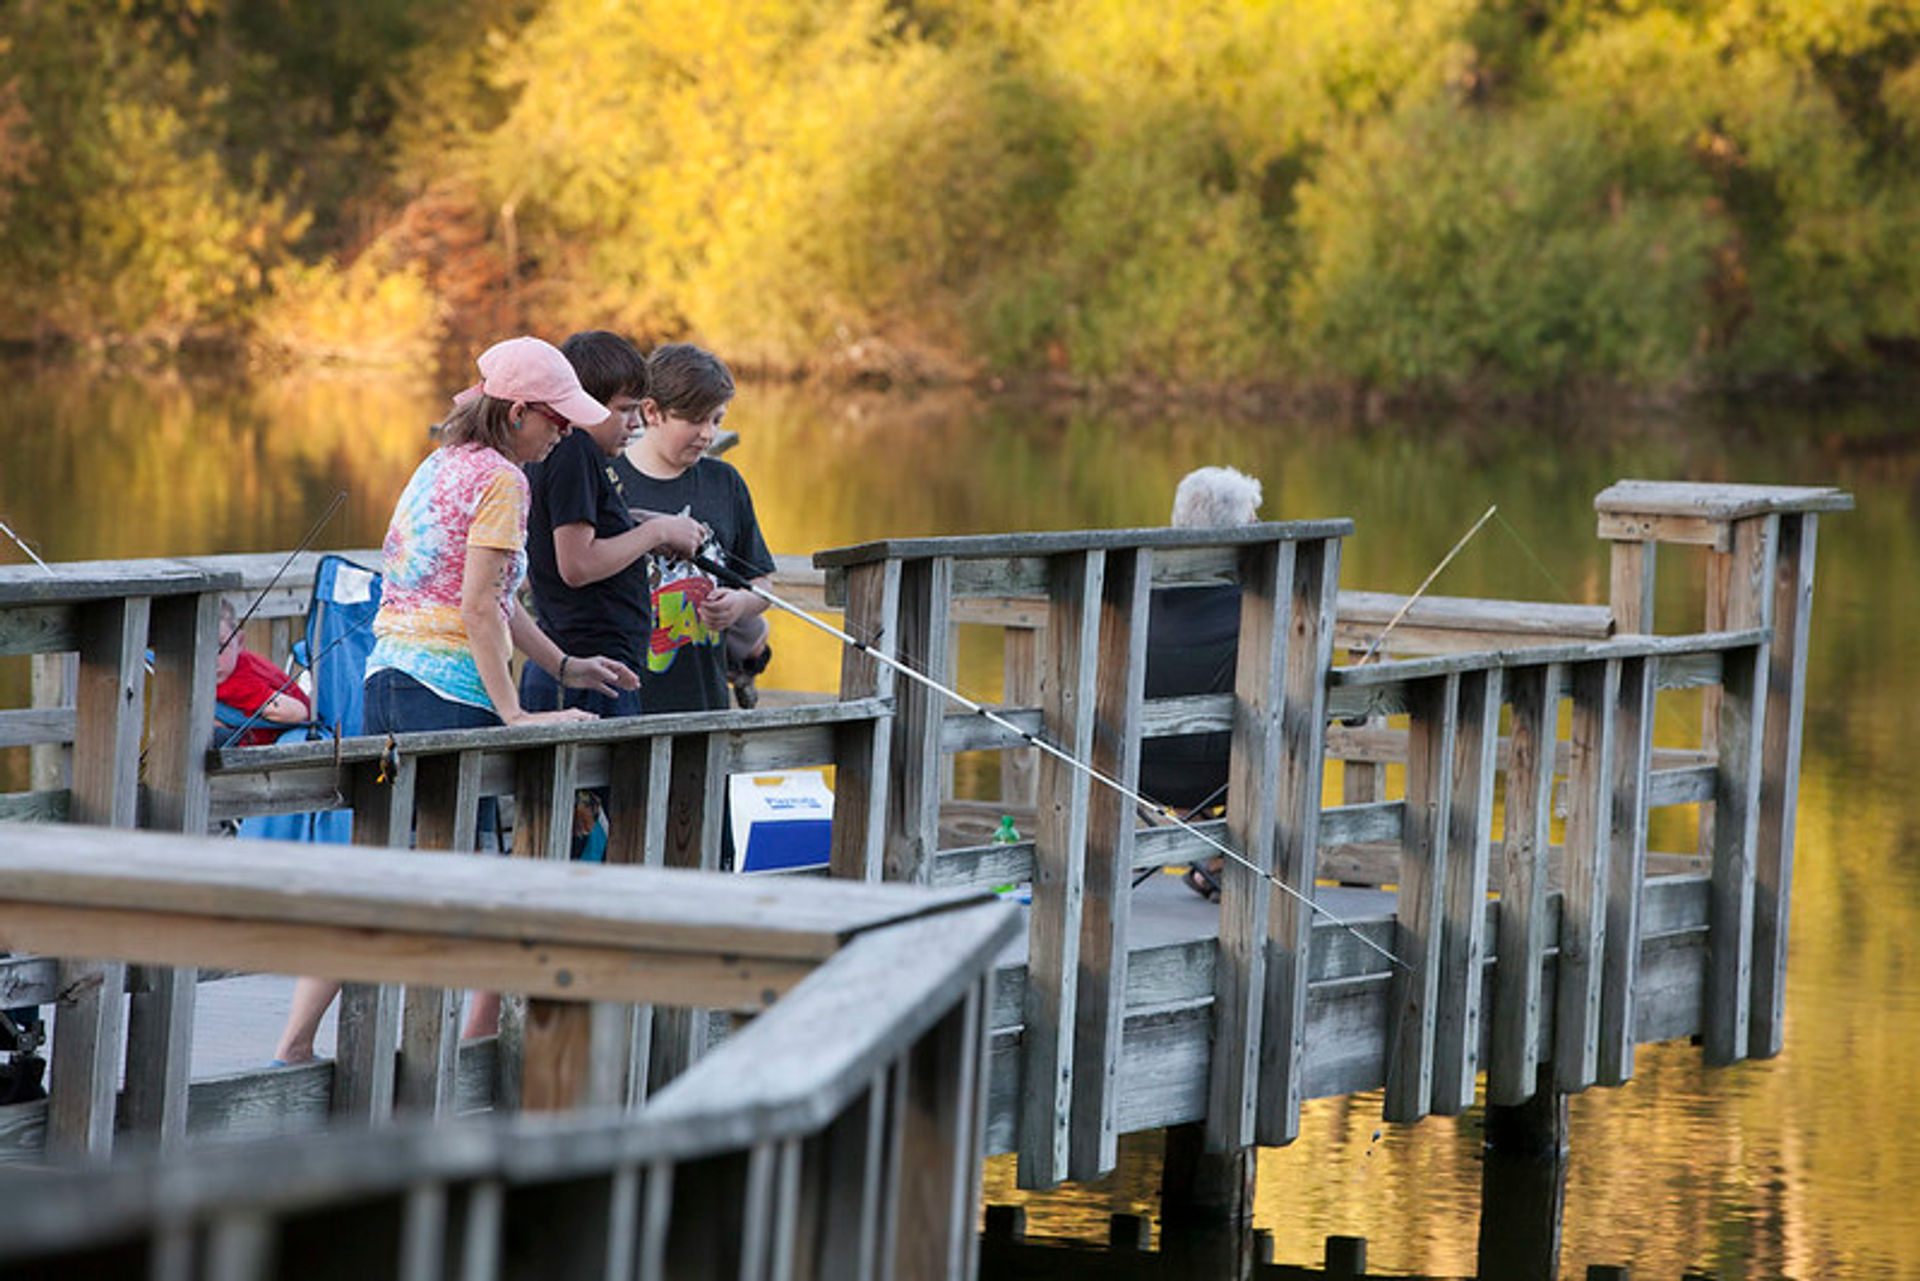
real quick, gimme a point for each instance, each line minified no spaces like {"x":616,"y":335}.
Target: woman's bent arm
{"x":485,"y":578}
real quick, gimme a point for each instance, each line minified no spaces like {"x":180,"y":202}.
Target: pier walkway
{"x":1495,"y":769}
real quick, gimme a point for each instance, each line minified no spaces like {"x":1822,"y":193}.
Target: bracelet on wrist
{"x":561,"y":677}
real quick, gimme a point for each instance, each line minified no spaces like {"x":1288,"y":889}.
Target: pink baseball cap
{"x":530,"y":370}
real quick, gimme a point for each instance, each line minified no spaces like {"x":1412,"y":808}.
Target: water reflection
{"x":1786,"y":1168}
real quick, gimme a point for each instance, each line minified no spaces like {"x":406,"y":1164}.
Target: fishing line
{"x":22,"y":545}
{"x":1665,"y":709}
{"x":1538,"y":564}
{"x":704,"y":559}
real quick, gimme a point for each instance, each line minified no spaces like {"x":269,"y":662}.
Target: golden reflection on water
{"x":1794,"y":1167}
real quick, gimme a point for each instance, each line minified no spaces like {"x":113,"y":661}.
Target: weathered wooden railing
{"x":666,"y":776}
{"x":1094,"y":1035}
{"x":838,"y":1133}
{"x":1321,"y":1013}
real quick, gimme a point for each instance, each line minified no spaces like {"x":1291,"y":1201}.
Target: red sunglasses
{"x":552,"y":415}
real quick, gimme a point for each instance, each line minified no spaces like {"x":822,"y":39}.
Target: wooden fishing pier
{"x":715,"y":1074}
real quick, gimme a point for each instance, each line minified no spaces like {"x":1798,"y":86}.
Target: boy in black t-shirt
{"x":685,"y":663}
{"x":585,"y":551}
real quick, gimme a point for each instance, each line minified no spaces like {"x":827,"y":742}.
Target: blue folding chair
{"x":339,"y":638}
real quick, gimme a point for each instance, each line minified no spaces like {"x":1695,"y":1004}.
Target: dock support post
{"x":1523,"y":1185}
{"x":1206,"y":1206}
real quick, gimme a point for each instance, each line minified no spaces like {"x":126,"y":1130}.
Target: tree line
{"x":1456,"y":198}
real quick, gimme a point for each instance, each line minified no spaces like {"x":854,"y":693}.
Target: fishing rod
{"x":253,"y":718}
{"x":313,"y":533}
{"x":1425,"y":583}
{"x":705,"y":559}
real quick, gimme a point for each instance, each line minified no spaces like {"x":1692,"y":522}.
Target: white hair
{"x":1212,"y":496}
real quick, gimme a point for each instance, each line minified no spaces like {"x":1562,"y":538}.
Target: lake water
{"x":1802,"y":1166}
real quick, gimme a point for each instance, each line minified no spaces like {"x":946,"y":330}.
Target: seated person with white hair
{"x":1193,"y":642}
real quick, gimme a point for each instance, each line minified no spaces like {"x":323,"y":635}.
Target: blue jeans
{"x":396,"y":703}
{"x":539,"y":692}
{"x":399,"y":704}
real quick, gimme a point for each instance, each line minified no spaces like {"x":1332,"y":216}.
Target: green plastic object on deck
{"x":1005,"y":834}
{"x":1008,"y":833}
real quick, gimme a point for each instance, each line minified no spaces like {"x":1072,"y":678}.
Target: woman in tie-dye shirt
{"x":455,"y":553}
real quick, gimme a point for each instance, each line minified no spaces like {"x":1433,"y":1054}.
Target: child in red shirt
{"x":252,"y":685}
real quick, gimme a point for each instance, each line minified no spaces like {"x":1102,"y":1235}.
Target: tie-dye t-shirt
{"x":461,"y":495}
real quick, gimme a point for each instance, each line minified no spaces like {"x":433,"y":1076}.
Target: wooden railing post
{"x":1464,"y":894}
{"x":1100,"y":1002}
{"x":364,"y":1067}
{"x":1432,"y":705}
{"x":1520,"y":949}
{"x":1626,"y":867}
{"x":864,"y":750}
{"x":697,"y":798}
{"x":447,"y":797}
{"x":1253,"y":810}
{"x":1075,"y":589}
{"x":915,"y":757}
{"x":637,"y":803}
{"x":842,"y":1168}
{"x":1736,"y":830}
{"x":937,"y":1125}
{"x":88,"y":1038}
{"x":1780,"y":778}
{"x":160,"y":1018}
{"x":1022,"y":684}
{"x":1303,"y":719}
{"x":55,"y":677}
{"x":555,"y":1037}
{"x":1583,"y":899}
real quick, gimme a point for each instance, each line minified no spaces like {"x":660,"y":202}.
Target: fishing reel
{"x":711,"y":560}
{"x":22,"y":1074}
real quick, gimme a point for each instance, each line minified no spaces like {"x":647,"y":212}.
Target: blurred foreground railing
{"x":837,"y":1133}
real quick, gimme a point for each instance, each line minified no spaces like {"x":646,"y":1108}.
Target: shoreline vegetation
{"x":1305,"y":202}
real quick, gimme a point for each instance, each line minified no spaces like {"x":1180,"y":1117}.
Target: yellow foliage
{"x":357,"y":315}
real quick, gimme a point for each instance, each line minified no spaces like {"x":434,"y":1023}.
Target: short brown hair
{"x":608,"y":364}
{"x":688,"y":381}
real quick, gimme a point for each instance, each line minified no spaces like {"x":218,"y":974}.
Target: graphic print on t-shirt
{"x":677,"y":589}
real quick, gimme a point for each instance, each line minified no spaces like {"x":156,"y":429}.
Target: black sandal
{"x":1201,"y":882}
